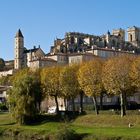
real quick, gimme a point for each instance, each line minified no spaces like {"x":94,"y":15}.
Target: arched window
{"x":72,"y":40}
{"x":113,"y":42}
{"x":130,"y":36}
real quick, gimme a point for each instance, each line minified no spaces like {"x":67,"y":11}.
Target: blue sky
{"x":41,"y":21}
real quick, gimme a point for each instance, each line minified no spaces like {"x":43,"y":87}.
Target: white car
{"x":52,"y":110}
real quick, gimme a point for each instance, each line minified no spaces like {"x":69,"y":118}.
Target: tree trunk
{"x":122,"y":102}
{"x":101,"y":101}
{"x":125,"y":100}
{"x":73,"y":105}
{"x":39,"y":106}
{"x":95,"y":105}
{"x":81,"y":102}
{"x":57,"y":106}
{"x":65,"y":104}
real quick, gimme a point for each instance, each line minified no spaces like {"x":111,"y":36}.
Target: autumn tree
{"x":116,"y":78}
{"x":135,"y":73}
{"x":23,"y":97}
{"x":50,"y":80}
{"x":38,"y":90}
{"x":5,"y":81}
{"x":69,"y":83}
{"x":89,"y":77}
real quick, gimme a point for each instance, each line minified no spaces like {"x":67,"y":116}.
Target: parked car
{"x":132,"y":105}
{"x":52,"y":110}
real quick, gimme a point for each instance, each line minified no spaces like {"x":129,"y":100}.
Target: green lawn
{"x":104,"y":125}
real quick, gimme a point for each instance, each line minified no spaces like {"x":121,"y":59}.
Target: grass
{"x":104,"y":125}
{"x":5,"y":119}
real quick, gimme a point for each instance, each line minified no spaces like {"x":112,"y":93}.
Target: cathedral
{"x":79,"y":42}
{"x":75,"y":47}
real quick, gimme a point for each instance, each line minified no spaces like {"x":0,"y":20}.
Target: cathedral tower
{"x":119,"y":32}
{"x":19,"y":50}
{"x":134,"y":35}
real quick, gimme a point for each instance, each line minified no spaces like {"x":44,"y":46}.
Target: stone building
{"x":6,"y":72}
{"x":74,"y":42}
{"x":24,"y":56}
{"x":3,"y":95}
{"x":107,"y":53}
{"x":134,"y":36}
{"x":6,"y":67}
{"x":61,"y":58}
{"x":42,"y":62}
{"x":78,"y":58}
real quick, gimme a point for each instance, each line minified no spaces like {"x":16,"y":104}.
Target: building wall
{"x":5,"y":73}
{"x":106,"y":53}
{"x":54,"y":57}
{"x":103,"y":53}
{"x":119,"y":32}
{"x":76,"y":59}
{"x":79,"y":58}
{"x":50,"y":102}
{"x":62,"y":59}
{"x":42,"y":63}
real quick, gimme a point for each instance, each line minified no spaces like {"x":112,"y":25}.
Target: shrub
{"x":94,"y":137}
{"x":65,"y":133}
{"x":3,"y":107}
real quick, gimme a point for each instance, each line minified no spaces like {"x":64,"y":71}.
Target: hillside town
{"x":69,"y":70}
{"x":74,"y":48}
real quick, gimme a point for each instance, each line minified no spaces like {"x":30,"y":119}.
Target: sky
{"x":41,"y":21}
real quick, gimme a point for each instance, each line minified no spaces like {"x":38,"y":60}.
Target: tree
{"x":50,"y":81}
{"x":69,"y":82}
{"x":89,"y":77}
{"x":116,"y":78}
{"x":5,"y":81}
{"x":135,"y":73}
{"x":23,"y":97}
{"x":39,"y":94}
{"x":2,"y":64}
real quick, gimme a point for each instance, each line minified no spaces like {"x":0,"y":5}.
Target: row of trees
{"x":61,"y":82}
{"x":115,"y":76}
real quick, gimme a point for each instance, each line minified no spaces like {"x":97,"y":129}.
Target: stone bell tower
{"x":134,"y":35}
{"x":19,"y":50}
{"x":119,"y":32}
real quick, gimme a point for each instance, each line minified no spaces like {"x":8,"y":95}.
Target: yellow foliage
{"x":116,"y":74}
{"x":50,"y":80}
{"x":68,"y":81}
{"x":89,"y":77}
{"x":135,"y":72}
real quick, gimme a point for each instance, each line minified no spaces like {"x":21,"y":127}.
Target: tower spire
{"x":19,"y":34}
